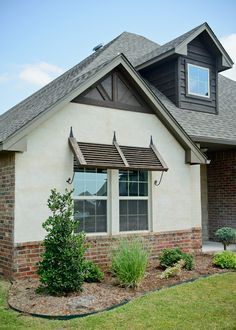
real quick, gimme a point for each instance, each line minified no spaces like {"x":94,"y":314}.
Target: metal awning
{"x":114,"y":156}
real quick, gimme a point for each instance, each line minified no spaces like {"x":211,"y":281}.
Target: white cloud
{"x":229,"y":43}
{"x":40,"y":73}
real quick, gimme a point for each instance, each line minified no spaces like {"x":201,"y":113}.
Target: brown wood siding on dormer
{"x":198,"y":54}
{"x":163,"y":77}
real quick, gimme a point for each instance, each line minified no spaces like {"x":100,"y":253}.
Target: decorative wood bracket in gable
{"x":114,"y":91}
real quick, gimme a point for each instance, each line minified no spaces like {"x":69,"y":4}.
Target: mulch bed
{"x":98,"y":296}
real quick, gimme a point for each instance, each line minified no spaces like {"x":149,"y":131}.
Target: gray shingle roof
{"x":132,"y":45}
{"x":166,"y":47}
{"x":137,"y":49}
{"x":200,"y":124}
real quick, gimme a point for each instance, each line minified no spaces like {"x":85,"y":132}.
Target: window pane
{"x":133,"y":176}
{"x":143,"y":189}
{"x":143,"y":222}
{"x":101,"y":207}
{"x":143,"y":207}
{"x":198,"y":80}
{"x":89,"y":225}
{"x":143,"y":176}
{"x":133,"y":215}
{"x":123,"y":207}
{"x":123,"y":175}
{"x":92,"y":215}
{"x":123,"y":223}
{"x":133,"y":188}
{"x":123,"y":188}
{"x":133,"y":223}
{"x":132,"y":207}
{"x":101,"y":224}
{"x":90,"y":182}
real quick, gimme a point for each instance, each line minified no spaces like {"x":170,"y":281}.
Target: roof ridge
{"x":148,"y":56}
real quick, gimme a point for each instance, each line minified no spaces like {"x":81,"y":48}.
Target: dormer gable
{"x":186,"y":69}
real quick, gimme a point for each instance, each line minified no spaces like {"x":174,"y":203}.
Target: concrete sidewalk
{"x":210,"y":246}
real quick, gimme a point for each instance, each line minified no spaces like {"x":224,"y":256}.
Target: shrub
{"x":92,"y":272}
{"x":173,"y":271}
{"x":61,"y":268}
{"x":225,"y":259}
{"x":226,"y":235}
{"x":169,"y":257}
{"x":129,"y":262}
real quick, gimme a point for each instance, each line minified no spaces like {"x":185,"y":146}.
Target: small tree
{"x":61,"y":268}
{"x":226,"y":236}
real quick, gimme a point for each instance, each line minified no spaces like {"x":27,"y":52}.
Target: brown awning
{"x":114,"y":156}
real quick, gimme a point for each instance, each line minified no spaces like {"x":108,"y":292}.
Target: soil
{"x":98,"y":296}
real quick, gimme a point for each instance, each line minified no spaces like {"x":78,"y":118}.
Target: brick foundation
{"x":7,"y":201}
{"x":27,"y":254}
{"x":221,"y":175}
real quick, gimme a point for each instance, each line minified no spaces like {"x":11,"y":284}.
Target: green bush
{"x":129,"y":262}
{"x":169,"y":257}
{"x":92,"y":272}
{"x":61,"y":268}
{"x":225,"y":259}
{"x":226,"y":236}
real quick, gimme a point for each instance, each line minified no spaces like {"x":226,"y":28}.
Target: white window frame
{"x":188,"y":80}
{"x":147,"y":198}
{"x":107,"y":198}
{"x":113,"y":205}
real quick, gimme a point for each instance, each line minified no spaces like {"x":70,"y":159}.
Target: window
{"x":133,"y":200}
{"x":198,"y":81}
{"x":90,"y":200}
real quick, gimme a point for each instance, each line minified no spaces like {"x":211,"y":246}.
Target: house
{"x":144,"y":134}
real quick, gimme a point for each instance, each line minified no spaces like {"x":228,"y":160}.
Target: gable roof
{"x":193,"y":153}
{"x":132,"y":45}
{"x":179,"y":46}
{"x":135,"y":48}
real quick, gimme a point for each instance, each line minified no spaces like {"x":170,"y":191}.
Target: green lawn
{"x":208,"y":303}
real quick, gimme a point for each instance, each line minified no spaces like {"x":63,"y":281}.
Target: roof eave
{"x":160,"y":110}
{"x":181,"y":49}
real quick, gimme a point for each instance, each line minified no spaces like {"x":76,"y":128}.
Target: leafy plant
{"x":226,"y":236}
{"x":173,"y":271}
{"x":129,"y":262}
{"x":92,"y":272}
{"x":225,"y":259}
{"x":169,"y":257}
{"x":61,"y":268}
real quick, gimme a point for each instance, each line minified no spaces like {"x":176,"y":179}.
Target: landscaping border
{"x":73,"y":316}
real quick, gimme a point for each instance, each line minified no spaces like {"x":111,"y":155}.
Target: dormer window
{"x":198,"y":81}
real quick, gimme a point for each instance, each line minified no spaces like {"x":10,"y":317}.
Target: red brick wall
{"x":7,"y":199}
{"x":27,"y":254}
{"x":221,"y":175}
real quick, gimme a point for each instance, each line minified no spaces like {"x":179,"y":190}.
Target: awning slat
{"x":116,"y":156}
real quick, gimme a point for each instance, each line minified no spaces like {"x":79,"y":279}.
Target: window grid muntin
{"x":189,"y":79}
{"x":128,"y":180}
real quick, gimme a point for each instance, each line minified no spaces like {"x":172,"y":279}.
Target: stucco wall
{"x":48,"y":163}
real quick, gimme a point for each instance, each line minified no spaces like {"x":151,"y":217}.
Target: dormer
{"x":186,"y":69}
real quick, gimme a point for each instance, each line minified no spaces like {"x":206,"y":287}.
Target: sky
{"x":41,"y":39}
